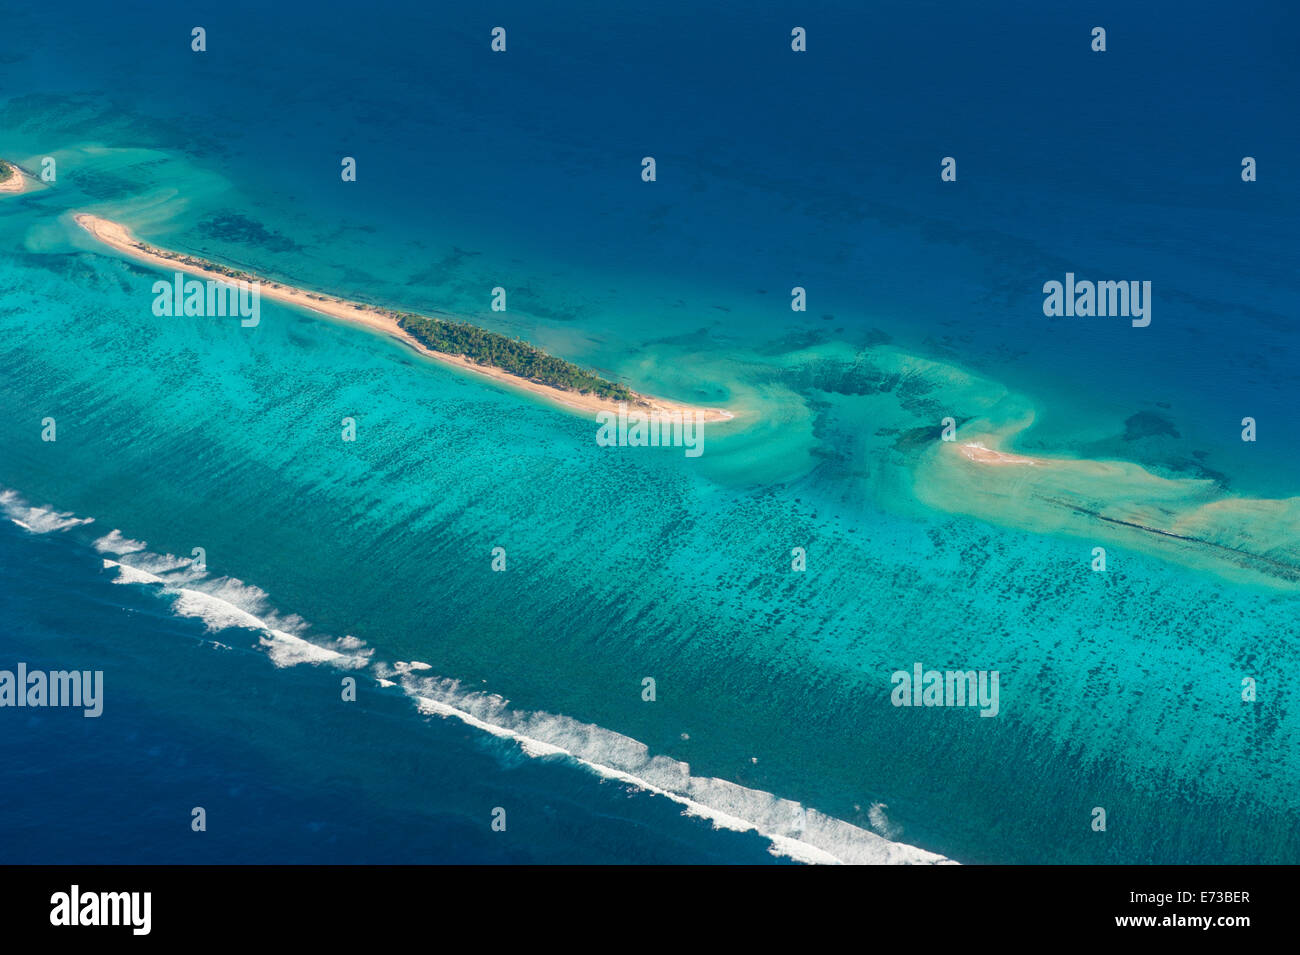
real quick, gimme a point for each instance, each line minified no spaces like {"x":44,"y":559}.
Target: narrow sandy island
{"x":384,"y":321}
{"x":15,"y":182}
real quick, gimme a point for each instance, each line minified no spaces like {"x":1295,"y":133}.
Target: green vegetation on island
{"x":5,"y":170}
{"x":509,"y":354}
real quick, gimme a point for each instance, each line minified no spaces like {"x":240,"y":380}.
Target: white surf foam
{"x":114,"y":543}
{"x":287,"y":650}
{"x":131,"y":575}
{"x":37,"y":520}
{"x":403,"y":667}
{"x":794,"y":831}
{"x":225,"y":602}
{"x":882,"y":823}
{"x":175,"y":569}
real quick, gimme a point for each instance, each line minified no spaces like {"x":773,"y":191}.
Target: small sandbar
{"x":1191,"y":521}
{"x":976,"y":451}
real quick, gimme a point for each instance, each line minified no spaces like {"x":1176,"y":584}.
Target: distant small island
{"x":510,"y":360}
{"x":11,"y":178}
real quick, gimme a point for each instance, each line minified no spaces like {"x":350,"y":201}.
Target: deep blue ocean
{"x":522,"y":169}
{"x":284,"y":775}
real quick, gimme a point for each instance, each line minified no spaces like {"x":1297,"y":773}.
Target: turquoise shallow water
{"x":187,"y":433}
{"x":1119,"y":690}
